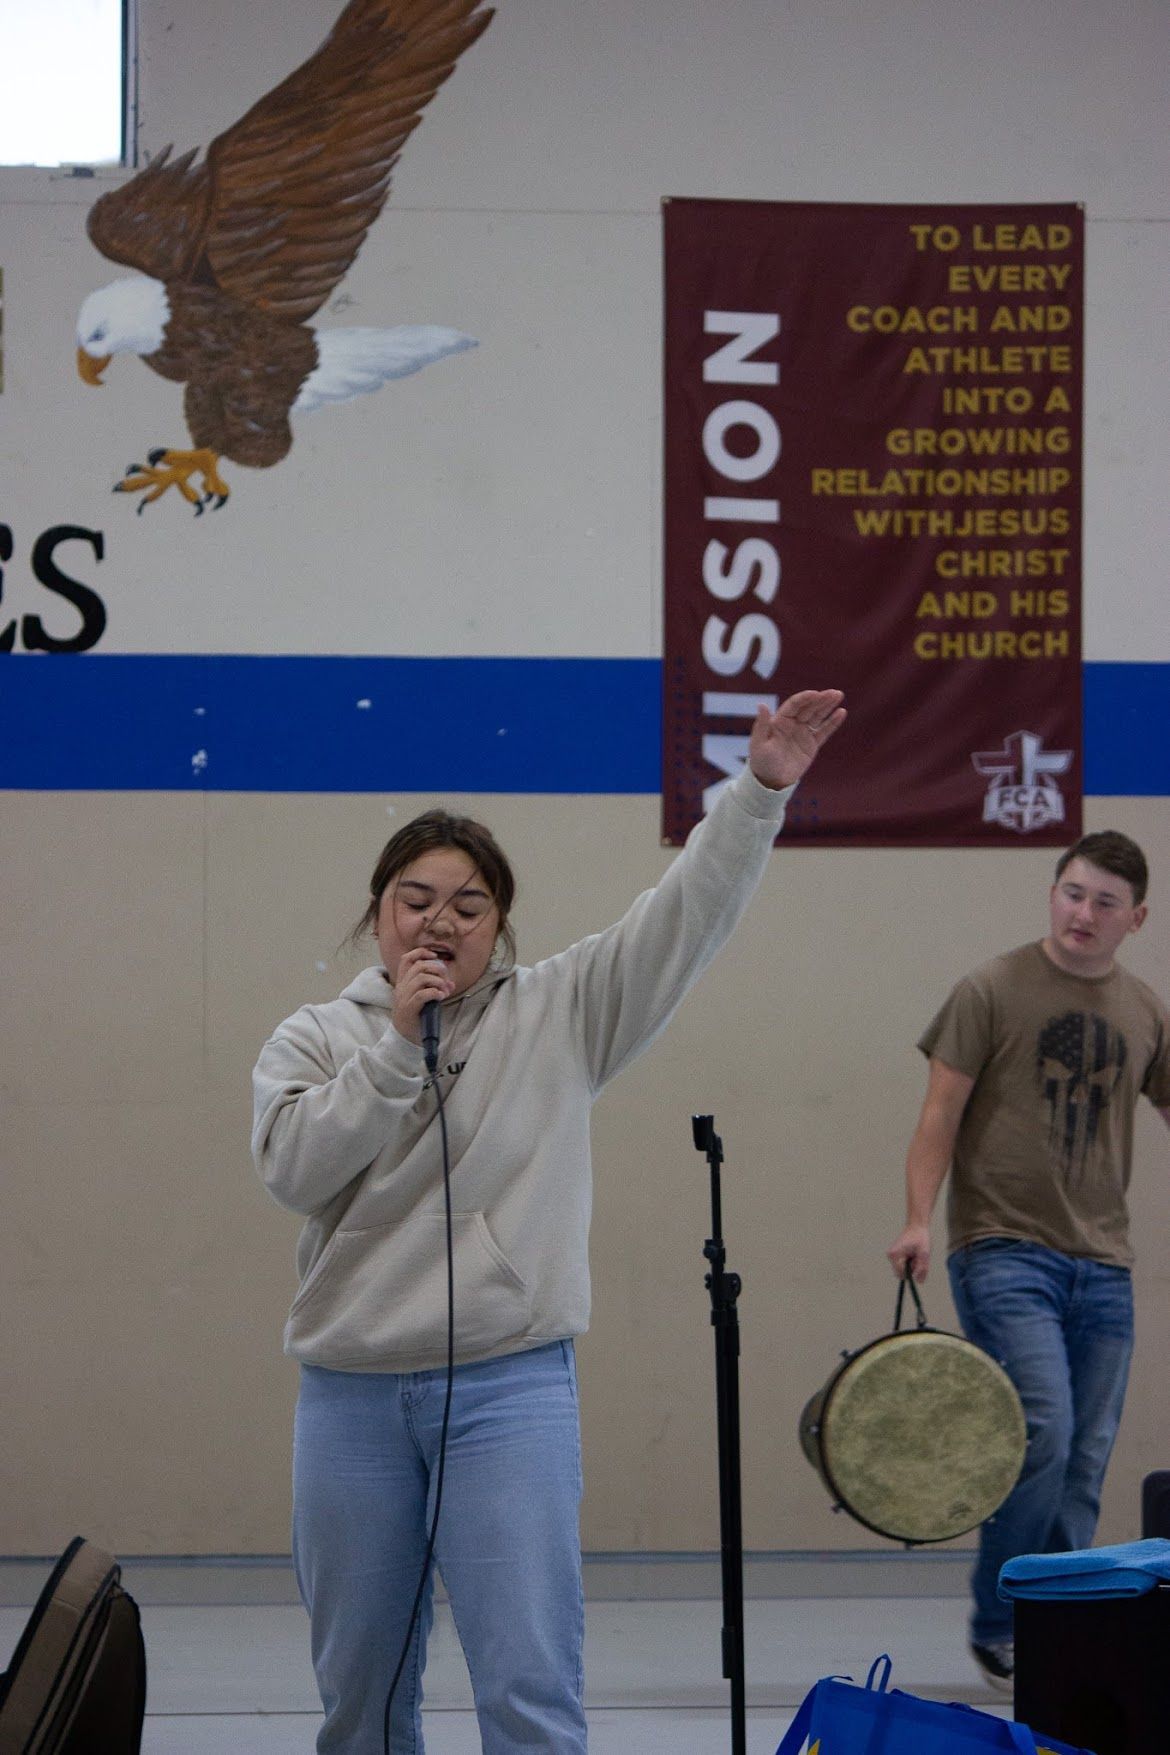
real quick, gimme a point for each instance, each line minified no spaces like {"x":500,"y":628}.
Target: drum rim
{"x":850,"y":1359}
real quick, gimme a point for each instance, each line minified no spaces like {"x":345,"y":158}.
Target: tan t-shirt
{"x":1045,"y":1145}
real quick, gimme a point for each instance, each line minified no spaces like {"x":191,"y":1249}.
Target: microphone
{"x":429,"y":1019}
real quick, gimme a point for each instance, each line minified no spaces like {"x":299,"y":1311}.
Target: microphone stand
{"x":725,"y":1288}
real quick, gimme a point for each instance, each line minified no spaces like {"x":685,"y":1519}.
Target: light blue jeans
{"x":1062,"y":1328}
{"x":508,"y":1546}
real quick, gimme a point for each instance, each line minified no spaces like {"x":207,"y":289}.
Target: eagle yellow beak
{"x":90,"y":369}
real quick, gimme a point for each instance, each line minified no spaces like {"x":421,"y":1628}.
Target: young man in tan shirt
{"x":1037,"y":1060}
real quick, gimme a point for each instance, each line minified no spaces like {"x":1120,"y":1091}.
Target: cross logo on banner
{"x":1023,"y":794}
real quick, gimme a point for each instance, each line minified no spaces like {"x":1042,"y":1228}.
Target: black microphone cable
{"x":430,"y":1041}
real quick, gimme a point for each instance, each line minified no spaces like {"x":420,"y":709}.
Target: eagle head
{"x":127,"y":316}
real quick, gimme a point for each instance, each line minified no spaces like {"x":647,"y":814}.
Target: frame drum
{"x":919,"y":1436}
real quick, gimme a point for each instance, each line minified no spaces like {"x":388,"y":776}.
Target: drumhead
{"x":920,"y":1435}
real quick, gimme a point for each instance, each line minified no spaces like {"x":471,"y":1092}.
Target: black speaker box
{"x":1096,"y":1673}
{"x":1156,"y":1505}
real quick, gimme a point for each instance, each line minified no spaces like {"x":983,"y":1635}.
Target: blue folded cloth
{"x":1129,"y":1569}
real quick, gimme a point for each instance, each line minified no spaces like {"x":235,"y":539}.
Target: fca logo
{"x":1023,"y":794}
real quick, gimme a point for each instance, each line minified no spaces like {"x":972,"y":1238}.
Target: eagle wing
{"x":297,"y":182}
{"x":157,"y":221}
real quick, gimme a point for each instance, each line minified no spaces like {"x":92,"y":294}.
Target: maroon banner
{"x":873,"y":482}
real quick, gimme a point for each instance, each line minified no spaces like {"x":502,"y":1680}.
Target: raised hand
{"x":784,"y":744}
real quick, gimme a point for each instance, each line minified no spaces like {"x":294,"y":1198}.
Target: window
{"x":63,"y":83}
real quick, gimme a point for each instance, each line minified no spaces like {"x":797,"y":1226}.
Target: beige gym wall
{"x":151,"y":940}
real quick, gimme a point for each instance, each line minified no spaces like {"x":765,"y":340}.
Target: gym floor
{"x":228,"y":1669}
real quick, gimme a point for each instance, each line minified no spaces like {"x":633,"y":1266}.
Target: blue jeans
{"x":1062,"y":1328}
{"x":508,"y":1546}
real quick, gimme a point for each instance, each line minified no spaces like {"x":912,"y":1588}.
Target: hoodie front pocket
{"x":378,"y":1297}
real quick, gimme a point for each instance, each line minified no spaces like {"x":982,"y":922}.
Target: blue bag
{"x":839,"y":1718}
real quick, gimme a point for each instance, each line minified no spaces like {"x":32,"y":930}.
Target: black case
{"x":77,"y":1681}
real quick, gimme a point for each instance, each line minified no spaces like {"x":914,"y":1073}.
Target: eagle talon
{"x":175,"y":469}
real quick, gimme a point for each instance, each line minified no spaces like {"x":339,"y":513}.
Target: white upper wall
{"x":607,"y":105}
{"x":509,"y":500}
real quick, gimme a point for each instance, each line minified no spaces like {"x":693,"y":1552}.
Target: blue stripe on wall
{"x":266,"y":724}
{"x":229,"y":724}
{"x":1127,"y":730}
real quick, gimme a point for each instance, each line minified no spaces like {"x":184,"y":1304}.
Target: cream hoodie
{"x":346,"y":1127}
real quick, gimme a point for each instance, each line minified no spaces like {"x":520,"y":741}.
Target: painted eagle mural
{"x":236,"y":253}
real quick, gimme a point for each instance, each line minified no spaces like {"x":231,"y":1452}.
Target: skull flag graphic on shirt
{"x":1079,"y":1061}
